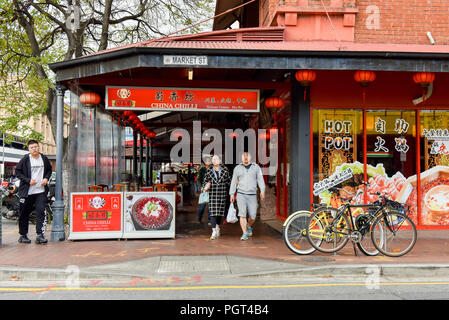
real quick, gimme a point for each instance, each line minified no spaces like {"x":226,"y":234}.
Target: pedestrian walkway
{"x":193,"y":251}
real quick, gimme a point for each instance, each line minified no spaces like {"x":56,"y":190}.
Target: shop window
{"x":337,"y":147}
{"x":391,"y":155}
{"x":434,"y":178}
{"x":343,"y":138}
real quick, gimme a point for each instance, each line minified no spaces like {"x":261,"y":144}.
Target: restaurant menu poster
{"x":96,"y":215}
{"x":149,"y":214}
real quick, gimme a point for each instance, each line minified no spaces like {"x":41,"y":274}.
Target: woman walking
{"x":217,"y":181}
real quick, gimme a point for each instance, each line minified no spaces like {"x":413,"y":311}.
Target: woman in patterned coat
{"x":217,"y":181}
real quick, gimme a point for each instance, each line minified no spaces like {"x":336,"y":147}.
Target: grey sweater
{"x":246,"y":180}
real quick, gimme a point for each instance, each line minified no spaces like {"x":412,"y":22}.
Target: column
{"x":57,"y":232}
{"x":147,"y":161}
{"x":300,"y":169}
{"x":134,"y":155}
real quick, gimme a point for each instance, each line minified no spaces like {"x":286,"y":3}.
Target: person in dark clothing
{"x":34,"y":170}
{"x":200,"y":180}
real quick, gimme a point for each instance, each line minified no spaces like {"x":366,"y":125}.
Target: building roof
{"x":271,"y":39}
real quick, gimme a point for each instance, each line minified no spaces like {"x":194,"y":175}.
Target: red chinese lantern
{"x":233,"y":135}
{"x":364,"y":78}
{"x":305,"y":77}
{"x":90,"y":99}
{"x":274,"y":103}
{"x":151,"y":134}
{"x":177,"y":134}
{"x":424,"y":79}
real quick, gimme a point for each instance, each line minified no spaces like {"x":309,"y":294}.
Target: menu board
{"x":95,"y":215}
{"x":149,"y":215}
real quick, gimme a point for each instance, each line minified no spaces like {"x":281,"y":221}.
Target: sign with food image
{"x":149,"y":215}
{"x":434,"y":192}
{"x":95,"y":215}
{"x":378,"y":181}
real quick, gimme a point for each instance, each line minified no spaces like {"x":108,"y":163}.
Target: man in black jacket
{"x":34,"y":171}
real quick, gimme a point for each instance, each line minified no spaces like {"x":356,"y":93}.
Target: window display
{"x":381,"y":147}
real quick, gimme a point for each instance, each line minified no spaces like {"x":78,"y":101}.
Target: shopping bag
{"x":231,"y":217}
{"x":204,"y":197}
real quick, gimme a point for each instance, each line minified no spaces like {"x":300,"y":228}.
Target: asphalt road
{"x":255,"y":289}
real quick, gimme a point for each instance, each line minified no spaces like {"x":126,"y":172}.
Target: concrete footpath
{"x":193,"y":255}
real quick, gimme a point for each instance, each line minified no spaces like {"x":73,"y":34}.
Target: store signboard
{"x":96,"y":215}
{"x":182,"y":99}
{"x":149,"y":215}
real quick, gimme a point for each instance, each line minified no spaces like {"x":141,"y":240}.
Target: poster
{"x":149,"y":215}
{"x":96,"y":215}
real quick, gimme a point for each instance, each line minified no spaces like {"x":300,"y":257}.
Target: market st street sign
{"x":185,"y":60}
{"x":182,"y":99}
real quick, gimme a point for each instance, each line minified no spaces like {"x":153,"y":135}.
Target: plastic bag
{"x":231,"y":217}
{"x":204,"y":197}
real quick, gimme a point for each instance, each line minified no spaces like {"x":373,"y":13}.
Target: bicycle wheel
{"x":399,"y":234}
{"x":327,"y":232}
{"x":294,"y":233}
{"x":366,"y":245}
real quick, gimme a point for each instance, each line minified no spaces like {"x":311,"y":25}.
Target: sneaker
{"x":214,"y":235}
{"x":217,"y":229}
{"x":249,"y":232}
{"x":40,"y":239}
{"x":244,"y":237}
{"x":24,"y":239}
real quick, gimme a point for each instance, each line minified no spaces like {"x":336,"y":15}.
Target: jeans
{"x":215,"y":220}
{"x":37,"y":203}
{"x":201,"y":211}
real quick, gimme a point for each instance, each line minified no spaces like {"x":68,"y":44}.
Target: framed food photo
{"x":149,"y":215}
{"x":169,"y":178}
{"x":96,"y":215}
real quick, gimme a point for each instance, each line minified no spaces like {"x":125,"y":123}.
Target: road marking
{"x":54,"y":288}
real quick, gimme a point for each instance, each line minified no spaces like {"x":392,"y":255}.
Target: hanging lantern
{"x":424,"y":79}
{"x":233,"y":135}
{"x":90,"y":99}
{"x":364,"y":78}
{"x":151,"y":134}
{"x":305,"y":77}
{"x":177,"y":134}
{"x":274,"y":103}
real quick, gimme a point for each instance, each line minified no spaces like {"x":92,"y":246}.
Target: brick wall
{"x":402,"y":21}
{"x":382,"y":21}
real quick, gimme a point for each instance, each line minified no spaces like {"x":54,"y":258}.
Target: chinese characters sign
{"x":96,"y":215}
{"x":181,"y":99}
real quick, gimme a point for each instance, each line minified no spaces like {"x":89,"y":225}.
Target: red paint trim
{"x":418,"y":167}
{"x":365,"y":157}
{"x":311,"y":157}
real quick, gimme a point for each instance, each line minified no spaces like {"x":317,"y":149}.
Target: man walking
{"x":247,"y":176}
{"x":34,"y":171}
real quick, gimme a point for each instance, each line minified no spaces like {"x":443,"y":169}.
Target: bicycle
{"x":392,"y":231}
{"x":294,"y":233}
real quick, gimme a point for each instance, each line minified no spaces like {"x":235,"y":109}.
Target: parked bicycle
{"x":383,"y":226}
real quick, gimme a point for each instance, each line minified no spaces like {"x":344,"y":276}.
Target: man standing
{"x":34,"y":171}
{"x":247,"y":176}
